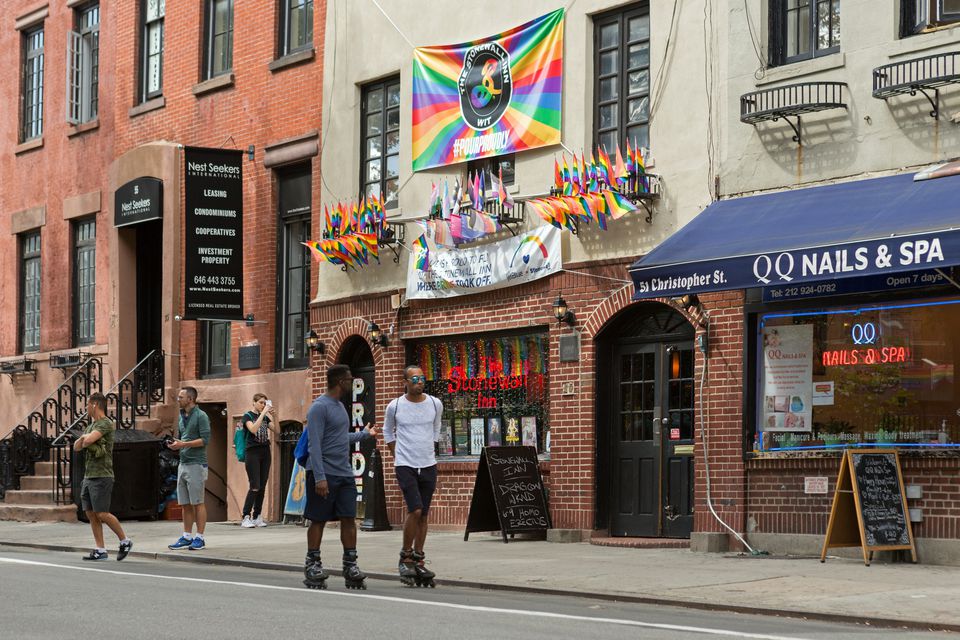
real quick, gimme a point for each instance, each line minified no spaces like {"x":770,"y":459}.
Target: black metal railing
{"x":924,"y":75}
{"x":28,"y":442}
{"x":792,"y":100}
{"x":133,"y":396}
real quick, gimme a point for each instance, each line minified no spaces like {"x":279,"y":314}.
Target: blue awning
{"x":862,"y":228}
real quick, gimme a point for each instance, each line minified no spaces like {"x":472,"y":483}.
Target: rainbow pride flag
{"x":488,"y":97}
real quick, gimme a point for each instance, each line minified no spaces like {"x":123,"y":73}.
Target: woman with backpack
{"x":257,"y":425}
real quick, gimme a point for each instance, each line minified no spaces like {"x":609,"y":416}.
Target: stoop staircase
{"x":36,"y":455}
{"x":34,"y":501}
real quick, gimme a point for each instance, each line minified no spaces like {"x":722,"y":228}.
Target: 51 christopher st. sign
{"x":868,"y":258}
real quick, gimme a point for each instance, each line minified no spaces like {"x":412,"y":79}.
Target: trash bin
{"x":136,"y":471}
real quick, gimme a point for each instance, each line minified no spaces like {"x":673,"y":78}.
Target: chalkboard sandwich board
{"x":508,"y":493}
{"x":869,"y":508}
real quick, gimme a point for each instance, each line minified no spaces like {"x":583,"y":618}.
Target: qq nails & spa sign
{"x":801,"y":267}
{"x":213,"y":257}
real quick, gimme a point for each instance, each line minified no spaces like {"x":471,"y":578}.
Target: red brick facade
{"x":30,"y":179}
{"x":595,"y":292}
{"x":257,"y":108}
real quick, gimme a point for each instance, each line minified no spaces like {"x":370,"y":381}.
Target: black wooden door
{"x":680,"y":391}
{"x":653,"y":443}
{"x":635,"y":504}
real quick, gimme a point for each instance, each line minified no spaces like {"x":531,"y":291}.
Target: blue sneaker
{"x":182,"y":543}
{"x":197,"y":544}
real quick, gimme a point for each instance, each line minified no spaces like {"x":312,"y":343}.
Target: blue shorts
{"x":341,"y":501}
{"x":417,"y":486}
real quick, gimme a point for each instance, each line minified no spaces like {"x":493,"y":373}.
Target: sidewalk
{"x":917,"y":595}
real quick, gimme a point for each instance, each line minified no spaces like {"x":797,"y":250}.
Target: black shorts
{"x":418,"y":486}
{"x":95,"y":494}
{"x":341,"y":501}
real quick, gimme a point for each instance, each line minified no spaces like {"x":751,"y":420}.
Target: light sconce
{"x":314,"y":344}
{"x":688,"y":301}
{"x":562,"y":313}
{"x":377,"y":336}
{"x":250,"y":152}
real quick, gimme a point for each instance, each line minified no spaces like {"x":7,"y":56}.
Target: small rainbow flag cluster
{"x":587,"y":188}
{"x":590,"y":176}
{"x":352,"y":233}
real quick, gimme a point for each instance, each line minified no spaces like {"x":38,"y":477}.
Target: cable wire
{"x":706,"y":455}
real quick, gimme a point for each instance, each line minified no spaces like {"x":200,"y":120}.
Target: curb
{"x":869,"y":621}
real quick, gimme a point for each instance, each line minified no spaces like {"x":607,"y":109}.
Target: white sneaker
{"x":247,"y":523}
{"x":258,"y":522}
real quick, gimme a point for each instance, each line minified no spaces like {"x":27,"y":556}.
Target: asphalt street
{"x":57,"y":595}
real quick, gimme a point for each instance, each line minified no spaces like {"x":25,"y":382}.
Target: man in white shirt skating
{"x":411,"y":427}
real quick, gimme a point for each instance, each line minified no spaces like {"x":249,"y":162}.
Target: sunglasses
{"x":417,"y":379}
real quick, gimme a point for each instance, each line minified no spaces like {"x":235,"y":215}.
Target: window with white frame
{"x":30,"y":292}
{"x":919,"y":15}
{"x":803,"y":29}
{"x":84,"y":281}
{"x":83,"y":65}
{"x":151,"y":48}
{"x":218,"y":50}
{"x":31,"y":93}
{"x":296,"y":25}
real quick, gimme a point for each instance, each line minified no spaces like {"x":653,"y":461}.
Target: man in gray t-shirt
{"x":411,"y":427}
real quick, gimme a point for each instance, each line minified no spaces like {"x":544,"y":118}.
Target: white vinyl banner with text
{"x":440,"y":272}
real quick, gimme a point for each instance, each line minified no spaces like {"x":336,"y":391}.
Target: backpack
{"x":240,"y":443}
{"x":301,"y":453}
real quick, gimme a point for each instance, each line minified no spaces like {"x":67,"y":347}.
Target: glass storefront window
{"x":493,"y":388}
{"x":859,"y":375}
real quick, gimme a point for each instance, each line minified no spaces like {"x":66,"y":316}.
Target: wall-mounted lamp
{"x":249,"y":319}
{"x":562,"y":313}
{"x":313,"y":343}
{"x":250,"y":151}
{"x":377,"y":337}
{"x":687,"y":301}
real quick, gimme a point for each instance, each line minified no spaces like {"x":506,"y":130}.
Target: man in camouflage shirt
{"x":97,"y":445}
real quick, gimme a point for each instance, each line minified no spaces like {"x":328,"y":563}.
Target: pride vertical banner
{"x":488,"y":97}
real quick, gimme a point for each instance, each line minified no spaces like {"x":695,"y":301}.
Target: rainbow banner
{"x":438,"y":272}
{"x":488,"y":97}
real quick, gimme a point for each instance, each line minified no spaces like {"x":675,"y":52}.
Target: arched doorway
{"x":645,"y":423}
{"x":361,"y":404}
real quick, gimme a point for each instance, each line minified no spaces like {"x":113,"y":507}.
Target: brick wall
{"x":571,"y":473}
{"x":777,"y":502}
{"x":260,"y":107}
{"x":71,"y":162}
{"x":723,"y":418}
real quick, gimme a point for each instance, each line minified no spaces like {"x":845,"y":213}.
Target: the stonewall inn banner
{"x":440,"y":273}
{"x":488,"y":97}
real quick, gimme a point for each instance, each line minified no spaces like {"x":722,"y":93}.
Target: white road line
{"x":447,"y":605}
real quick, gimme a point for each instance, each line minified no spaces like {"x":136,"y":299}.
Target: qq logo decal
{"x":485,"y":85}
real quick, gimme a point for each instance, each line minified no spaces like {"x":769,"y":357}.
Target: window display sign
{"x":493,"y":389}
{"x":788,"y":378}
{"x":882,"y":374}
{"x":457,"y":272}
{"x":213,"y":253}
{"x":488,"y":97}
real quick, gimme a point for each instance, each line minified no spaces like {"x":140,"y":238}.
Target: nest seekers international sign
{"x":488,"y":97}
{"x":436,"y":272}
{"x":213,"y":278}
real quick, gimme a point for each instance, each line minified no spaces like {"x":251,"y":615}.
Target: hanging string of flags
{"x":352,"y":233}
{"x":590,"y":190}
